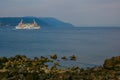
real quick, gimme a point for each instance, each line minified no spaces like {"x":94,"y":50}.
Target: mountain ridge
{"x":42,"y":21}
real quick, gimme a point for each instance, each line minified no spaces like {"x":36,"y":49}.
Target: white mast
{"x":21,"y":21}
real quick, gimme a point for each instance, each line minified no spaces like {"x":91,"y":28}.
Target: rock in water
{"x":54,"y":56}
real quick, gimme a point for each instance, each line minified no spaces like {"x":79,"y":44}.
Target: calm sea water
{"x":90,"y":45}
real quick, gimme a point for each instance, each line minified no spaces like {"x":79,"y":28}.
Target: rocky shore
{"x":21,"y":67}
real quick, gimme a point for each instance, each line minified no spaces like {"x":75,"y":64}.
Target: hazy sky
{"x":77,"y":12}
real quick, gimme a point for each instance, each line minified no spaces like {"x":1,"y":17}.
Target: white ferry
{"x":22,"y":25}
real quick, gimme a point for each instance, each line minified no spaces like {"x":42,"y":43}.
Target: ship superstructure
{"x":22,"y":25}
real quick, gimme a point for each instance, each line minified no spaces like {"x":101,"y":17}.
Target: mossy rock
{"x":29,"y":76}
{"x":73,"y":57}
{"x":108,"y":64}
{"x":3,"y":75}
{"x":54,"y":56}
{"x":113,"y":63}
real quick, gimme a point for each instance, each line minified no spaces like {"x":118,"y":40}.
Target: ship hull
{"x":18,"y":27}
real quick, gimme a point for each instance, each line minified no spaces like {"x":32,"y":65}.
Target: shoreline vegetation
{"x":21,"y":67}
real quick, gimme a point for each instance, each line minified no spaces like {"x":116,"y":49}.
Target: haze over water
{"x":90,"y":45}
